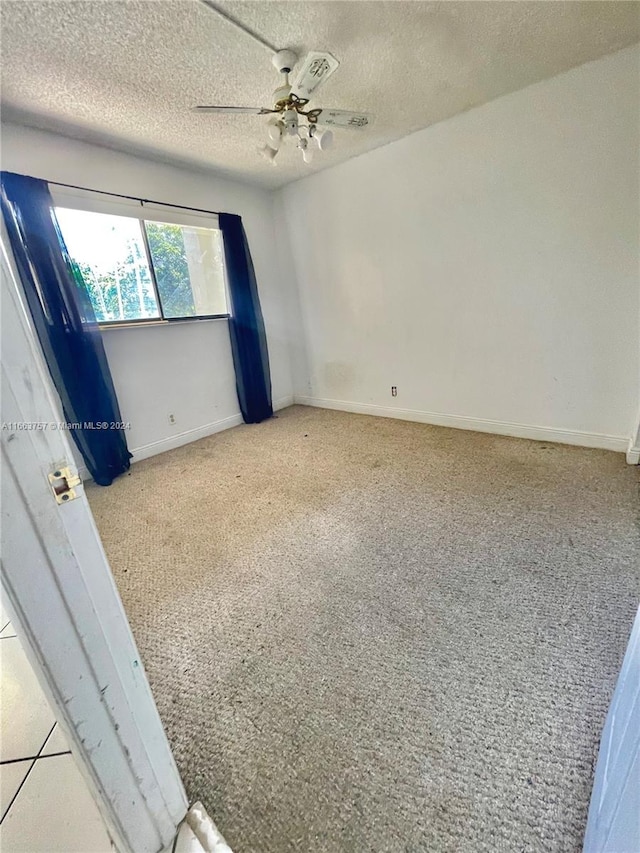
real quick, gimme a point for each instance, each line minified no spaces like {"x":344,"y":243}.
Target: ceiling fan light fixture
{"x":307,"y":153}
{"x":274,"y":131}
{"x":323,"y":138}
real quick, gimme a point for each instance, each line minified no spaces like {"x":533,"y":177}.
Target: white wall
{"x":486,"y":266}
{"x":184,"y":369}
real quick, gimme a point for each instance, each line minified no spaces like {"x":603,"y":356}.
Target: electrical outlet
{"x":172,"y":419}
{"x":394,"y":390}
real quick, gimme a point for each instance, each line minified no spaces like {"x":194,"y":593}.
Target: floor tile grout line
{"x":21,"y":785}
{"x":53,"y":755}
{"x":13,"y":799}
{"x":18,"y":760}
{"x":34,"y":757}
{"x":46,"y":739}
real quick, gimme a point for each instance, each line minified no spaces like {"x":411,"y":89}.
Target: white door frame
{"x":62,"y":596}
{"x":633,"y":451}
{"x":613,"y":825}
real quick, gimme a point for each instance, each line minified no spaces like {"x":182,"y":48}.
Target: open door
{"x":614,"y":815}
{"x":58,"y":585}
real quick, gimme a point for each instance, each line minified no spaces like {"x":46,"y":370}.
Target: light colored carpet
{"x":372,"y":635}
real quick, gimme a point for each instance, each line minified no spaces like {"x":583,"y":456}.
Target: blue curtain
{"x":246,"y":326}
{"x":66,"y":326}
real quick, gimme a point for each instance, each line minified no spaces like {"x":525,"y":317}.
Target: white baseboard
{"x":633,"y":451}
{"x":145,"y":451}
{"x":537,"y":433}
{"x":282,"y":403}
{"x":181,"y":438}
{"x":633,"y":454}
{"x":203,"y":431}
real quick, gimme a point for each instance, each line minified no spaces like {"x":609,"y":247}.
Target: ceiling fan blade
{"x":258,"y":111}
{"x":316,"y":68}
{"x":344,"y":118}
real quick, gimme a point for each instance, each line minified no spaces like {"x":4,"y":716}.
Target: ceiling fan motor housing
{"x":281,"y":94}
{"x":284,"y":61}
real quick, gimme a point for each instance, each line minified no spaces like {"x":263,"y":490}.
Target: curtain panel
{"x":66,"y":326}
{"x":246,"y":325}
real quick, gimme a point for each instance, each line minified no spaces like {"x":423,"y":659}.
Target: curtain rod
{"x":136,"y":198}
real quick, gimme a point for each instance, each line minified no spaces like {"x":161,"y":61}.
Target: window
{"x":111,"y":255}
{"x":145,"y":269}
{"x":188,"y":267}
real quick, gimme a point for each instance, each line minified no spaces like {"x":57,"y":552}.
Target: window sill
{"x":144,"y":324}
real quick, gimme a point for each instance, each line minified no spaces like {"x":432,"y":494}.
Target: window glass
{"x":187,"y":261}
{"x":119,"y":269}
{"x":110,"y":253}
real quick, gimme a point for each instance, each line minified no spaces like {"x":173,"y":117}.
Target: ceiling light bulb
{"x":268,"y":153}
{"x":274,"y":131}
{"x":274,"y":143}
{"x":323,"y":138}
{"x":307,"y":153}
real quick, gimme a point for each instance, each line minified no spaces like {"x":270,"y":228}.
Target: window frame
{"x":92,"y":202}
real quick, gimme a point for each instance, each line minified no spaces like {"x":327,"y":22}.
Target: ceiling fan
{"x":290,"y":102}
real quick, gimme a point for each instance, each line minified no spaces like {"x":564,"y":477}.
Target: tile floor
{"x":45,"y":805}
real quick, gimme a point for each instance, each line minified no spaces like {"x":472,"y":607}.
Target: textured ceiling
{"x":126,"y":74}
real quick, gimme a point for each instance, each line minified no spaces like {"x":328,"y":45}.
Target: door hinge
{"x":63,"y":482}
